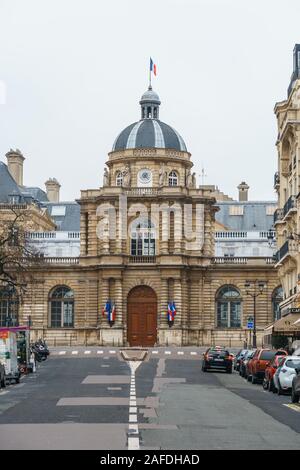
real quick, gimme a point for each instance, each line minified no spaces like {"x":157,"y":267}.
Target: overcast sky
{"x":74,"y":71}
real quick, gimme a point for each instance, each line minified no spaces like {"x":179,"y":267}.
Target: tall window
{"x":9,"y":307}
{"x":62,"y":307}
{"x":173,"y":178}
{"x":119,"y":178}
{"x":142,"y":234}
{"x":277,"y":297}
{"x":229,"y":303}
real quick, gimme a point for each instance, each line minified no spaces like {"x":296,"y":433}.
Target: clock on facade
{"x":144,"y":177}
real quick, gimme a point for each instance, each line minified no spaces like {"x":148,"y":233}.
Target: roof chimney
{"x":243,"y":191}
{"x":52,"y":188}
{"x":15,"y":161}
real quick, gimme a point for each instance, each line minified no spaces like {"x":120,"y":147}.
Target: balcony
{"x":290,"y":206}
{"x":276,"y":180}
{"x":289,"y":248}
{"x":252,"y":261}
{"x":142,"y":259}
{"x":278,"y":216}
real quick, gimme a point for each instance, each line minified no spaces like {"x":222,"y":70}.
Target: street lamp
{"x":254,"y":289}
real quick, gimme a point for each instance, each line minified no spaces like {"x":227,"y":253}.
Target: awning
{"x":288,"y":323}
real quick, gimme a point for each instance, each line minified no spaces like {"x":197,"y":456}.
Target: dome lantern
{"x":150,"y":104}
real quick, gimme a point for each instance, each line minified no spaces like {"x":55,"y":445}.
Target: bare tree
{"x":16,"y":255}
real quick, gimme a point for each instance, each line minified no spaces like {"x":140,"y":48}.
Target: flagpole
{"x":150,"y":74}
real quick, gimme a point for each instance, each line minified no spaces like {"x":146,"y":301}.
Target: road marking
{"x":112,"y":352}
{"x":87,"y":352}
{"x":133,"y":418}
{"x":132,"y":402}
{"x":193,"y":353}
{"x":167,"y":352}
{"x":4,"y":392}
{"x":154,"y":352}
{"x":133,"y":443}
{"x":180,"y":353}
{"x":133,"y":428}
{"x":62,"y":352}
{"x":99,"y":352}
{"x":74,"y":352}
{"x":133,"y":409}
{"x":293,"y":406}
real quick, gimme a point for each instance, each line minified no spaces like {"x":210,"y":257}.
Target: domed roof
{"x":150,"y":95}
{"x":149,"y":132}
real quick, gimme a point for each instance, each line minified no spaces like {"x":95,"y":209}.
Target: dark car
{"x":296,"y":387}
{"x":244,"y":361}
{"x":257,"y":365}
{"x":237,"y":360}
{"x":217,"y":358}
{"x":2,"y":376}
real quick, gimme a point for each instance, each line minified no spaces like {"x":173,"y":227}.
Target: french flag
{"x":171,"y":311}
{"x":112,"y":313}
{"x":153,"y":67}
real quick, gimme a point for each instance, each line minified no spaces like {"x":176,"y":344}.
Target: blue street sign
{"x":250,"y":325}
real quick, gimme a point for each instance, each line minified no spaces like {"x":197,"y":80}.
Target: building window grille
{"x":229,"y":307}
{"x":9,"y":307}
{"x":62,"y":307}
{"x":119,"y":178}
{"x":173,"y":178}
{"x":142,"y":238}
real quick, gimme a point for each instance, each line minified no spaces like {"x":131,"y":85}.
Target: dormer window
{"x":173,"y":178}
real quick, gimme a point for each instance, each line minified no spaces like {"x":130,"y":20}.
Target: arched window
{"x":61,"y":307}
{"x":142,"y":233}
{"x":9,"y":307}
{"x":277,"y":297}
{"x":229,"y":303}
{"x":119,"y":178}
{"x":173,"y":178}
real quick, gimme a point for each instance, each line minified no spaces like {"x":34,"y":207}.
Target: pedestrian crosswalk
{"x":93,"y":351}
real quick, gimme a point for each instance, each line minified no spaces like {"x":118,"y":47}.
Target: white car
{"x":284,"y":375}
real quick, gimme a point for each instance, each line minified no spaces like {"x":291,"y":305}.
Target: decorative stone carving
{"x":105,"y":178}
{"x":162,"y":176}
{"x":126,"y":177}
{"x":189,"y":179}
{"x":194,"y":182}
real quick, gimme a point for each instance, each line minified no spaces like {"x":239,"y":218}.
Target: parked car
{"x":2,"y":376}
{"x":284,"y":375}
{"x":257,"y":365}
{"x":237,"y":359}
{"x":296,"y":387}
{"x":271,"y":368}
{"x":217,"y":358}
{"x":244,"y":361}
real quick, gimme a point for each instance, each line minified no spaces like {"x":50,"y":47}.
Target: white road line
{"x":193,"y":353}
{"x":4,"y":392}
{"x":99,"y":352}
{"x":87,"y":352}
{"x":180,"y":353}
{"x":74,"y":352}
{"x":133,"y":443}
{"x":133,"y":409}
{"x":154,"y":352}
{"x":133,"y":418}
{"x":62,"y":352}
{"x":167,"y":352}
{"x":112,"y":352}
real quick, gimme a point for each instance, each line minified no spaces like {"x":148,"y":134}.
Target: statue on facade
{"x":126,"y":177}
{"x":194,"y":182}
{"x":105,"y":178}
{"x":189,"y":179}
{"x":162,"y":176}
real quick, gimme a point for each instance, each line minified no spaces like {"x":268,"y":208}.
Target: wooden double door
{"x":142,"y":317}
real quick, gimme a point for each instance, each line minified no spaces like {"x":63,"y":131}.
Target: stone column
{"x":164,"y":233}
{"x":178,"y":302}
{"x":118,"y":298}
{"x":103,"y":297}
{"x":162,"y":320}
{"x":178,"y":230}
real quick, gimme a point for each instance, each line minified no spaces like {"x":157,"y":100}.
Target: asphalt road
{"x":99,"y":401}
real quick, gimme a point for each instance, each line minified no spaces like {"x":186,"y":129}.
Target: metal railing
{"x":290,"y":204}
{"x":290,"y":246}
